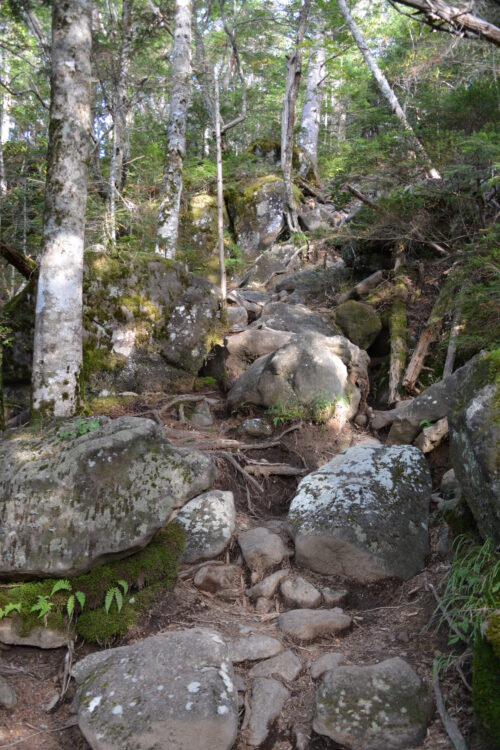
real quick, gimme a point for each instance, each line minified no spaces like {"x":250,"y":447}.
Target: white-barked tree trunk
{"x":311,"y":110}
{"x":168,"y":212}
{"x":57,"y":359}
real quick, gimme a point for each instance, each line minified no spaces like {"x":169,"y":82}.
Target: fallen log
{"x":431,"y":437}
{"x":361,"y":289}
{"x":27,"y":267}
{"x":398,"y":330}
{"x":267,"y":470}
{"x":427,"y":337}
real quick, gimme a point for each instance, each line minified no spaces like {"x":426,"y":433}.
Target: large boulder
{"x":474,"y":422}
{"x":307,"y":372}
{"x":358,"y":322}
{"x":256,"y":212}
{"x":174,"y":690}
{"x":244,"y":348}
{"x":209,"y":522}
{"x":381,"y":707}
{"x":364,"y":514}
{"x":281,"y":316}
{"x":88,"y":492}
{"x":314,"y":281}
{"x":271,"y":264}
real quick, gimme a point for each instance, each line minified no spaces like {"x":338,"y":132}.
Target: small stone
{"x":334,"y":597}
{"x":268,"y":699}
{"x":443,"y":545}
{"x":8,"y":697}
{"x":325,"y":663}
{"x":309,"y":624}
{"x":299,"y":593}
{"x":215,"y":578}
{"x":263,"y":605}
{"x":449,"y":484}
{"x":256,"y":427}
{"x":301,"y":739}
{"x":267,"y":587}
{"x":286,"y":665}
{"x":52,"y":703}
{"x":361,"y":420}
{"x":253,"y":648}
{"x":201,"y":418}
{"x":262,"y":549}
{"x":209,"y":522}
{"x":403,"y":636}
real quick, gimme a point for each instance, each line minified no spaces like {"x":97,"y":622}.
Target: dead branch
{"x":27,"y":267}
{"x":362,"y":197}
{"x":361,"y":289}
{"x":239,"y":468}
{"x":450,"y":726}
{"x":262,"y":469}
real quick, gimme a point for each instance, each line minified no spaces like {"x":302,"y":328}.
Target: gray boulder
{"x":281,"y":316}
{"x":71,"y":500}
{"x":364,"y":514}
{"x":309,"y":624}
{"x":475,"y":445}
{"x":174,"y":690}
{"x":307,"y":372}
{"x":270,"y":265}
{"x":256,"y":212}
{"x":244,"y":348}
{"x":299,"y":593}
{"x":253,"y":648}
{"x":261,"y":549}
{"x":209,"y":522}
{"x":266,"y":704}
{"x":314,"y":281}
{"x":380,"y":707}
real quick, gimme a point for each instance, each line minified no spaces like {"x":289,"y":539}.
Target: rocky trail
{"x":306,"y":591}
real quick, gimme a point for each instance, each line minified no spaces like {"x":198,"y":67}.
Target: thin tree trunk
{"x":57,"y":358}
{"x":294,"y":70}
{"x":168,"y":212}
{"x":452,"y":345}
{"x":311,"y":111}
{"x":385,"y":87}
{"x":220,"y":194}
{"x":398,"y":330}
{"x":119,"y":109}
{"x":4,"y":125}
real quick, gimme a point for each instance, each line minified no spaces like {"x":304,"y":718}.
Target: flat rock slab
{"x":364,"y":514}
{"x":300,"y":594}
{"x":209,"y":522}
{"x":174,"y":690}
{"x":253,"y":648}
{"x":309,"y":624}
{"x":266,"y":704}
{"x":287,"y":666}
{"x":72,"y":500}
{"x":381,"y":707}
{"x":262,"y":549}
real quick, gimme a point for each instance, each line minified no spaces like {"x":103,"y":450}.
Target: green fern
{"x":10,"y":607}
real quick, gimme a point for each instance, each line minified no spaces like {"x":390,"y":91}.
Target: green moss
{"x":97,"y":359}
{"x":486,"y":692}
{"x":154,"y":567}
{"x":108,"y":405}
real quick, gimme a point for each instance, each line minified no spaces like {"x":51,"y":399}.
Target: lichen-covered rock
{"x":174,"y":690}
{"x":209,"y":522}
{"x":359,"y":322}
{"x":256,"y":211}
{"x":382,"y":707}
{"x":305,"y":373}
{"x":314,"y":281}
{"x":281,"y":316}
{"x":147,"y":322}
{"x":278,"y":259}
{"x":474,"y":422}
{"x":89,"y":490}
{"x":364,"y":514}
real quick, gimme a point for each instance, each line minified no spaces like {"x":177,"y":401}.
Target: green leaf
{"x":119,"y":599}
{"x":62,"y":585}
{"x":124,"y":585}
{"x":70,"y":605}
{"x":80,"y":598}
{"x":108,"y":601}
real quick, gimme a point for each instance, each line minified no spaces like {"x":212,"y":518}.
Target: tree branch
{"x":27,"y":267}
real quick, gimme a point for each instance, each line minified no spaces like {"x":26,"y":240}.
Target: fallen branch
{"x":27,"y":267}
{"x":362,"y":197}
{"x":450,"y":726}
{"x":229,"y":457}
{"x":361,"y":289}
{"x":267,"y":470}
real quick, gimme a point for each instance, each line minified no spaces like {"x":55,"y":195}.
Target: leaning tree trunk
{"x":294,"y":70}
{"x":119,"y":109}
{"x":311,"y":110}
{"x":385,"y":87}
{"x":168,"y":212}
{"x":57,"y":358}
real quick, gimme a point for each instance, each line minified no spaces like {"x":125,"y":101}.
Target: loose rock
{"x":268,"y":699}
{"x":209,"y":522}
{"x":287,"y":666}
{"x":449,"y":484}
{"x":262,"y":549}
{"x":281,"y":316}
{"x":325,"y":663}
{"x":256,"y":427}
{"x":174,"y":690}
{"x":333,"y":598}
{"x":299,"y":593}
{"x":11,"y":633}
{"x":382,"y":707}
{"x":201,"y":418}
{"x":8,"y":697}
{"x":309,"y":624}
{"x":217,"y":578}
{"x":253,"y":648}
{"x":268,"y":586}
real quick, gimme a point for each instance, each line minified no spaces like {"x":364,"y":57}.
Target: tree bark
{"x":385,"y":87}
{"x":311,"y":111}
{"x":119,"y":110}
{"x":293,"y":74}
{"x":168,"y":212}
{"x":220,"y":193}
{"x":397,"y":330}
{"x":57,"y":358}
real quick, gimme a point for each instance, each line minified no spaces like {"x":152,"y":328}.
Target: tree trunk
{"x":168,"y":213}
{"x":398,"y":330}
{"x":220,"y":194}
{"x":57,"y":358}
{"x":385,"y":87}
{"x":443,"y":17}
{"x":119,"y":109}
{"x":311,"y":110}
{"x":294,"y":70}
{"x":5,"y":101}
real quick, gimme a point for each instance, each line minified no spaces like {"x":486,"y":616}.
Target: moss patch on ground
{"x":146,"y":573}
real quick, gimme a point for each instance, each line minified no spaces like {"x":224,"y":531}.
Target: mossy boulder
{"x":360,"y":323}
{"x":364,"y":515}
{"x":474,"y":422}
{"x":198,"y":234}
{"x":89,"y":491}
{"x":146,"y":574}
{"x":256,"y":213}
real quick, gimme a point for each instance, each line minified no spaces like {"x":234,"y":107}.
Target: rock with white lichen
{"x":381,"y":707}
{"x":364,"y":514}
{"x":209,"y":522}
{"x":174,"y":690}
{"x":88,"y":491}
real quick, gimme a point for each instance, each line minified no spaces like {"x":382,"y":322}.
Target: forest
{"x":250,"y":374}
